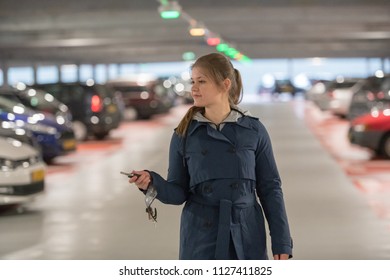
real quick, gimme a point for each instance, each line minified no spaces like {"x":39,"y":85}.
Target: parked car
{"x":143,"y":95}
{"x":22,"y":172}
{"x":339,"y":95}
{"x":10,"y":130}
{"x":374,"y":94}
{"x":41,"y":101}
{"x":95,"y":108}
{"x":54,"y":139}
{"x":334,"y":96}
{"x":372,"y":131}
{"x":279,"y":86}
{"x":316,"y":91}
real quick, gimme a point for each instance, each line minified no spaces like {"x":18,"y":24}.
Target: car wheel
{"x":385,"y":145}
{"x":80,"y":131}
{"x":101,"y":135}
{"x":130,"y":114}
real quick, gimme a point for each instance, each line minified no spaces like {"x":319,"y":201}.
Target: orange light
{"x":197,"y":31}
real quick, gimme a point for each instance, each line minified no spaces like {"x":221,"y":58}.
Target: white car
{"x":22,"y":173}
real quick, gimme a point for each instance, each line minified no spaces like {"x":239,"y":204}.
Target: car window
{"x":7,"y":105}
{"x":385,"y":89}
{"x":130,"y":89}
{"x":40,"y":100}
{"x":343,"y":85}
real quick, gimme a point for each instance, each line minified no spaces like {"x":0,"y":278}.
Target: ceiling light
{"x":197,"y":30}
{"x":169,"y":10}
{"x":212,"y":39}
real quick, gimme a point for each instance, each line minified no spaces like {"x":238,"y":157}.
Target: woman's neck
{"x":218,"y":114}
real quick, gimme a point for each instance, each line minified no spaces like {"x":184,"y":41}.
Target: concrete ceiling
{"x":131,"y":31}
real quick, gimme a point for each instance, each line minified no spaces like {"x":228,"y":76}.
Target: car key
{"x":130,"y":175}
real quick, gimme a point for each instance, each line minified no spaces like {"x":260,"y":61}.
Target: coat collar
{"x":237,"y":115}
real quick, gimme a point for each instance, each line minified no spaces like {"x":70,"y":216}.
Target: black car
{"x":279,"y":86}
{"x":94,"y":107}
{"x":373,"y":94}
{"x":146,"y":96}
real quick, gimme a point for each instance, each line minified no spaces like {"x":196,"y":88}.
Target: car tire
{"x":130,"y":113}
{"x":80,"y":131}
{"x":385,"y":146}
{"x":101,"y":135}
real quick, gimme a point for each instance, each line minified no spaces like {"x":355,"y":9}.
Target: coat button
{"x":234,"y":186}
{"x":204,"y":152}
{"x":208,"y":224}
{"x":232,"y":150}
{"x":207,"y":189}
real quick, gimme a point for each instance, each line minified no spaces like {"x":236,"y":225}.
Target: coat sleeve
{"x":174,"y":190}
{"x":270,"y":193}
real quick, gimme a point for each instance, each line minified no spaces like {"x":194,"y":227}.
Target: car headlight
{"x":7,"y":164}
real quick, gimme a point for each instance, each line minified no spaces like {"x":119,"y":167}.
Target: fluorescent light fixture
{"x":169,"y":10}
{"x":197,"y":29}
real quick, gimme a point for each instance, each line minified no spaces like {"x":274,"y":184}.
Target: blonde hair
{"x":218,"y":68}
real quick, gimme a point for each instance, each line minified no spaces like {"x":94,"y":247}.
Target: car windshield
{"x":40,"y":100}
{"x":102,"y":91}
{"x":13,"y":107}
{"x":342,"y":85}
{"x":125,"y":89}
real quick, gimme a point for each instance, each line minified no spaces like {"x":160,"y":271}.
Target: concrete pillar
{"x":78,"y":72}
{"x":35,"y":75}
{"x":94,"y":74}
{"x":4,"y":68}
{"x":59,"y":72}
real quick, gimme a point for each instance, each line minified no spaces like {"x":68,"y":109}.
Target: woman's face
{"x":204,"y":91}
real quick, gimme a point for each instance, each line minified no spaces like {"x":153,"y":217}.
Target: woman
{"x":220,"y":161}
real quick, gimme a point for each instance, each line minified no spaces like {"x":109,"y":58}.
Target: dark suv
{"x":95,"y":109}
{"x":146,"y":96}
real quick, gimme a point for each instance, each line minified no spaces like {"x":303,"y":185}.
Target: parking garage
{"x":122,"y":71}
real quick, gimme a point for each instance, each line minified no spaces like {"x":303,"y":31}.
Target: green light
{"x":231,"y":52}
{"x":187,"y":56}
{"x":222,"y":47}
{"x":245,"y":59}
{"x":170,"y":14}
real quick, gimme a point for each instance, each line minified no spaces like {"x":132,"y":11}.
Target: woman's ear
{"x":227,"y":84}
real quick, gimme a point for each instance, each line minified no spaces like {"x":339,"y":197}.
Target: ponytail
{"x":186,"y":120}
{"x":236,"y":91}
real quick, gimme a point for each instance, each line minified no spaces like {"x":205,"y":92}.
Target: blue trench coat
{"x":228,"y":179}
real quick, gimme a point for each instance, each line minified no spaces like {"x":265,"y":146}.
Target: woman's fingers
{"x":141,"y":179}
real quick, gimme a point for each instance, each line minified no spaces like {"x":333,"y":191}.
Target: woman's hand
{"x":141,"y":179}
{"x":281,"y":257}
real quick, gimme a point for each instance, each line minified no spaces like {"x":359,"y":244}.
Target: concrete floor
{"x":89,"y":210}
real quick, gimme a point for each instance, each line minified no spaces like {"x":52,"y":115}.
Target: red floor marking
{"x":102,"y":144}
{"x":370,"y":175}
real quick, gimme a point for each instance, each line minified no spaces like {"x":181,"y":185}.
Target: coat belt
{"x":225,"y":214}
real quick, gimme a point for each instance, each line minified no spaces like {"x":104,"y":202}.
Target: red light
{"x":380,"y":95}
{"x":370,"y":96}
{"x":213,"y":41}
{"x":96,"y":104}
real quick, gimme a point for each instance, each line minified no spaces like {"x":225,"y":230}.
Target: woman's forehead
{"x":198,"y":72}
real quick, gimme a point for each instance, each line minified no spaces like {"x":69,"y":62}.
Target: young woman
{"x":220,"y":162}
